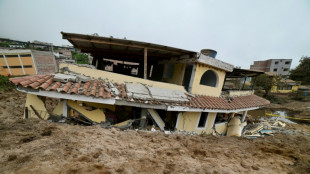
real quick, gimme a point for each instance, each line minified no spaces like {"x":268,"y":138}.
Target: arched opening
{"x":209,"y":78}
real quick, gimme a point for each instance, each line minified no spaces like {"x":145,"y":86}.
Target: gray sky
{"x":241,"y":30}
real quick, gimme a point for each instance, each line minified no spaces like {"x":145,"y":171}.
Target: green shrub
{"x":80,"y":58}
{"x":5,"y":84}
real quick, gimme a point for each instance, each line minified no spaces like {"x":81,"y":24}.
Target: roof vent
{"x":209,"y":52}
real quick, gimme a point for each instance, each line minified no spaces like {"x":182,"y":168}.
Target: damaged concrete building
{"x":171,"y":88}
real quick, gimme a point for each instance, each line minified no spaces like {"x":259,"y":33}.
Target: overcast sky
{"x":240,"y":30}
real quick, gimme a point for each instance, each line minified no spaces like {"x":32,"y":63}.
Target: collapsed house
{"x":171,"y":88}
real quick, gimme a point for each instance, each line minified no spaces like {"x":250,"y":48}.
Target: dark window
{"x":27,"y":66}
{"x":284,"y":87}
{"x":209,"y":78}
{"x":1,"y":56}
{"x":203,"y":120}
{"x":285,"y":69}
{"x":276,"y":62}
{"x":11,"y":55}
{"x":12,"y":67}
{"x":287,"y":62}
{"x":275,"y":70}
{"x":25,"y":55}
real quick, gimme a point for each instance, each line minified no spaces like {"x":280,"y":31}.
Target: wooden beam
{"x":145,"y":63}
{"x":178,"y":52}
{"x":36,"y":112}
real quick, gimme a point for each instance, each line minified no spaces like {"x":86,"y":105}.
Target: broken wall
{"x":117,"y":78}
{"x":178,"y":74}
{"x":33,"y":101}
{"x":45,"y":62}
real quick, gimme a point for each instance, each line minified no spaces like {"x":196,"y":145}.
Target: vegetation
{"x":302,"y":71}
{"x":265,"y":82}
{"x":5,"y":44}
{"x":80,"y":58}
{"x":5,"y":84}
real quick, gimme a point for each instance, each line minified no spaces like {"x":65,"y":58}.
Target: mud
{"x":37,"y":146}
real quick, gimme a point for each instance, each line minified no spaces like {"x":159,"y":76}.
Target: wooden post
{"x":36,"y":112}
{"x":145,"y":64}
{"x":143,"y":123}
{"x":26,"y":113}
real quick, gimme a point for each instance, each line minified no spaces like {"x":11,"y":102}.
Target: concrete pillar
{"x":145,"y":64}
{"x":243,"y":116}
{"x":143,"y":119}
{"x":21,"y":64}
{"x":7,"y":65}
{"x":64,"y":108}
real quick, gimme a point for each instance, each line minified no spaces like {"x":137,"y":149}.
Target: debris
{"x":279,"y":123}
{"x":258,"y":128}
{"x":156,"y":118}
{"x":266,"y":132}
{"x":167,"y":132}
{"x":106,"y":124}
{"x":253,"y":135}
{"x":125,"y":124}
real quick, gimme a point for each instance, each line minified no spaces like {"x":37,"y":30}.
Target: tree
{"x":302,"y":71}
{"x":80,"y":58}
{"x":265,"y":83}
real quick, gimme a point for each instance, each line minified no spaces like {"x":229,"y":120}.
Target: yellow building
{"x":285,"y":86}
{"x":174,"y":89}
{"x":17,"y":62}
{"x":26,"y":62}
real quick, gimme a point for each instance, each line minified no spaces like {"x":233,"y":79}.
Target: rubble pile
{"x":268,"y":127}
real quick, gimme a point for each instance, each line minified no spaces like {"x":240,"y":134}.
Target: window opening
{"x":203,"y":120}
{"x":209,"y":78}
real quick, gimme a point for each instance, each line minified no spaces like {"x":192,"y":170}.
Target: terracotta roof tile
{"x":100,"y":88}
{"x":75,"y":89}
{"x":66,"y":87}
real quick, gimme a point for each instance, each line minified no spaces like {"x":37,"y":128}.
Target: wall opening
{"x":209,"y":78}
{"x":203,"y":120}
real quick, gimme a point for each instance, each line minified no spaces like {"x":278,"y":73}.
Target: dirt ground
{"x":36,"y":146}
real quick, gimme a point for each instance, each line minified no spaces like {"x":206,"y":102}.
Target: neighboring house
{"x":285,"y":86}
{"x":178,"y":89}
{"x":26,"y":62}
{"x":279,"y":66}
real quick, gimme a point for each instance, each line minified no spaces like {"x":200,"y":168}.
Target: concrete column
{"x":145,"y":64}
{"x":7,"y":65}
{"x":143,"y":119}
{"x":243,"y":116}
{"x":64,"y":108}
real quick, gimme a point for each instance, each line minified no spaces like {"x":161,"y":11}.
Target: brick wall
{"x":45,"y":62}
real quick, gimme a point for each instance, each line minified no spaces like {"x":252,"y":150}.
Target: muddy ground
{"x":36,"y":146}
{"x":301,"y":108}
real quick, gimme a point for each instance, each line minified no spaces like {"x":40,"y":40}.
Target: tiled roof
{"x":207,"y":102}
{"x":102,"y":89}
